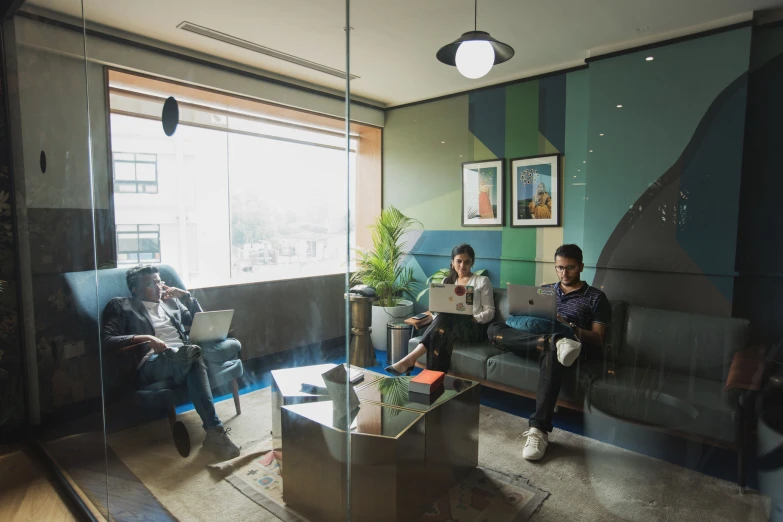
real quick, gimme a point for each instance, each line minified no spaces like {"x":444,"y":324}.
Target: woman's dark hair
{"x":133,"y":274}
{"x":464,"y":248}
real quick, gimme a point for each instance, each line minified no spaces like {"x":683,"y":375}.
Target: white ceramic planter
{"x":382,"y":315}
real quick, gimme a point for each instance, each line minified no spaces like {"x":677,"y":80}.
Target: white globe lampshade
{"x":475,"y":58}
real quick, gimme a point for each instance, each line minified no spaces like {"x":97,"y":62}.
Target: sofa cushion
{"x":679,"y":342}
{"x":523,"y":372}
{"x":470,"y":360}
{"x":704,"y":408}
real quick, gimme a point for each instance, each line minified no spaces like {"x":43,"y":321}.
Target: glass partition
{"x":61,"y":241}
{"x":664,"y":247}
{"x":264,"y":277}
{"x":190,"y":239}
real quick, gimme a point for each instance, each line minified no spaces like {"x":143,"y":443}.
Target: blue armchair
{"x":89,"y":305}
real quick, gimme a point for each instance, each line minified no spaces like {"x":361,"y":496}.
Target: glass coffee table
{"x":402,"y":452}
{"x":287,"y":389}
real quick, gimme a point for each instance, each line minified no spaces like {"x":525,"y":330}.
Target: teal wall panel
{"x":487,"y":120}
{"x":663,"y":102}
{"x":575,"y":161}
{"x":551,"y":109}
{"x":760,"y":279}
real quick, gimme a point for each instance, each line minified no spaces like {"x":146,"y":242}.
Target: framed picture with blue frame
{"x":483,"y":194}
{"x":536,"y":191}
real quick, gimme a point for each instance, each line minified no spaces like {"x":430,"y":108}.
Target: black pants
{"x":447,"y":331}
{"x":550,"y":377}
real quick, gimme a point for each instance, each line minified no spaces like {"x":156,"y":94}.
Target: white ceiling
{"x":393,"y":42}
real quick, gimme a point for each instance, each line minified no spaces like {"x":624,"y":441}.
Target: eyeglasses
{"x":569,"y":268}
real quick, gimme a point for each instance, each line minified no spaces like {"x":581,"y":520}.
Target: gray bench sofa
{"x":680,"y":358}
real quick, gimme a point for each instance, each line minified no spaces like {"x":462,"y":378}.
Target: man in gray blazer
{"x":153,"y":325}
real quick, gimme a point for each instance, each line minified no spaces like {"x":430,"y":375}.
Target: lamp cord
{"x":475,"y":15}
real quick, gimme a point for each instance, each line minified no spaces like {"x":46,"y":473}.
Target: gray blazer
{"x":125,"y":317}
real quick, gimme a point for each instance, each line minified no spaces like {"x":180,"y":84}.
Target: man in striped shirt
{"x":587,"y":311}
{"x":585,"y":315}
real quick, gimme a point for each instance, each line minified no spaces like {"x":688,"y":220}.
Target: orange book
{"x":426,"y":381}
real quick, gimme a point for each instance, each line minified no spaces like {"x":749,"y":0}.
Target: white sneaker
{"x":568,"y":351}
{"x":536,"y":444}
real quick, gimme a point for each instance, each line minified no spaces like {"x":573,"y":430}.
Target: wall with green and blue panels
{"x":759,"y":246}
{"x":651,"y":191}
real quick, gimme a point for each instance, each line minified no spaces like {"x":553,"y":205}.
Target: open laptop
{"x":451,"y":299}
{"x":210,"y":326}
{"x":532,"y":301}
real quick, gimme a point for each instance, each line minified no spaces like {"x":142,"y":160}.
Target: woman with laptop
{"x":458,"y":325}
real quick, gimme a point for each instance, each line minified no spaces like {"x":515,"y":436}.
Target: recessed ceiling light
{"x":574,"y":176}
{"x":649,"y":58}
{"x":442,"y":142}
{"x":591,"y":150}
{"x":601,"y":134}
{"x":619,"y":106}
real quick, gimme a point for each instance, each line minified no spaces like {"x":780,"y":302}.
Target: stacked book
{"x":426,"y":387}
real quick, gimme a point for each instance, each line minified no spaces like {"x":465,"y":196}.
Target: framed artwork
{"x":483,"y":194}
{"x":535,"y":191}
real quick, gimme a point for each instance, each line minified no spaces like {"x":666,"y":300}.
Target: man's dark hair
{"x":133,"y":274}
{"x":569,"y":252}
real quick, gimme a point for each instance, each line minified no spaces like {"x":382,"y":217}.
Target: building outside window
{"x":135,"y":172}
{"x":239,"y":197}
{"x":138,"y":244}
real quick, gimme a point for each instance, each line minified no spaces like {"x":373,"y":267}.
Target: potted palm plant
{"x":382,"y":268}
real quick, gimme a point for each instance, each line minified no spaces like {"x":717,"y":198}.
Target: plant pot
{"x":382,"y":315}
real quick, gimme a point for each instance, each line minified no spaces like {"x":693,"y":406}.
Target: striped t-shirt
{"x":583,"y":307}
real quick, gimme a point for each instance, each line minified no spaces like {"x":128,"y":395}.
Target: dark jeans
{"x":550,"y":377}
{"x":222,"y":351}
{"x":447,"y":331}
{"x":170,"y":366}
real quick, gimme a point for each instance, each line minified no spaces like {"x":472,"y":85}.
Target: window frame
{"x":135,"y":182}
{"x":368,"y":139}
{"x":138,"y":250}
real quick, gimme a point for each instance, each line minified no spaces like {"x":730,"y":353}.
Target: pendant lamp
{"x":475,"y":52}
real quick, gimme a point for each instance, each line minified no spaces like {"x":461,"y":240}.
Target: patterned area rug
{"x":484,"y":496}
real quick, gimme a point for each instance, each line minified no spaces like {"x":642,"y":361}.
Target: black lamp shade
{"x":448,"y":53}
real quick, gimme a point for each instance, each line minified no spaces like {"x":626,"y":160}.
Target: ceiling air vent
{"x":233,"y":40}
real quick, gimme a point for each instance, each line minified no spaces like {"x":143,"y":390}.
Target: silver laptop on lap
{"x":210,"y":326}
{"x":451,"y":299}
{"x":532,"y":301}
